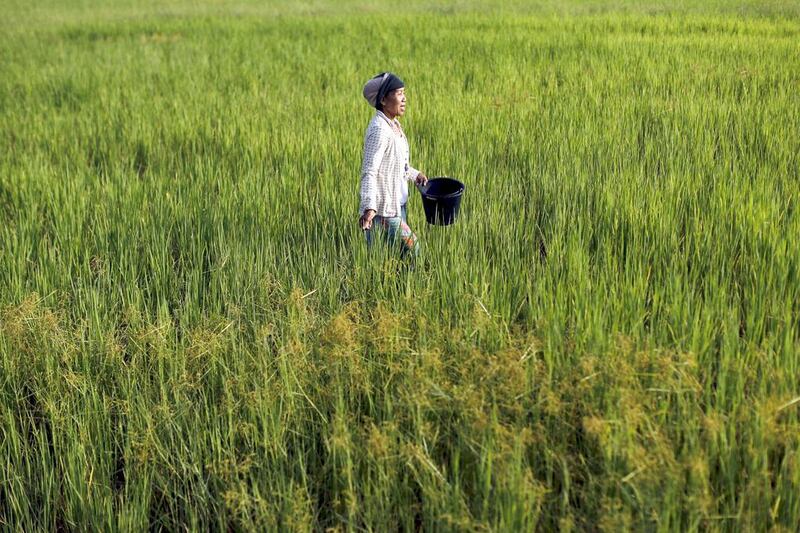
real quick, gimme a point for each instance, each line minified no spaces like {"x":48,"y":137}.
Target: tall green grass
{"x":193,"y":333}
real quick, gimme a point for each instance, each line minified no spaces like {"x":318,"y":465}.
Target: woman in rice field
{"x":386,"y":170}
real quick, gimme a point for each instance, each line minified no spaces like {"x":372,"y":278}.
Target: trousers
{"x":395,"y":232}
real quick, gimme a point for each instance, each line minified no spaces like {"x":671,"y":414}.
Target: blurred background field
{"x":192,"y":332}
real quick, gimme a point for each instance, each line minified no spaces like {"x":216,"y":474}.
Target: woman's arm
{"x":412,"y":174}
{"x":374,"y":147}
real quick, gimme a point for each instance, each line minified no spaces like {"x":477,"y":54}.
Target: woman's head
{"x":386,"y":92}
{"x":394,"y":103}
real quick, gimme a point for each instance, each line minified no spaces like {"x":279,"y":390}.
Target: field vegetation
{"x":193,"y":333}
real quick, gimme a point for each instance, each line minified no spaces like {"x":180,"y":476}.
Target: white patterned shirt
{"x":385,"y":171}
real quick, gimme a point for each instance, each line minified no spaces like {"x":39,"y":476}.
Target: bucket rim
{"x":458,"y":192}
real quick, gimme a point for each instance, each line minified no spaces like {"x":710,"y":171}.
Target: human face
{"x":394,"y":103}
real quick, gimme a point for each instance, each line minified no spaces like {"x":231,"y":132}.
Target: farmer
{"x":386,"y":171}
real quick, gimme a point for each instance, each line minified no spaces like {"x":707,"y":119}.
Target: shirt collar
{"x":384,"y":117}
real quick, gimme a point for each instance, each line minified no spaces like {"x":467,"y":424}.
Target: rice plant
{"x":193,"y":333}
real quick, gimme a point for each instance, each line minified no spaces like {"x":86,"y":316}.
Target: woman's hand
{"x":421,"y":179}
{"x":366,"y":219}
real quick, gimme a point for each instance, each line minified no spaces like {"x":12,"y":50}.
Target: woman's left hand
{"x":421,"y":179}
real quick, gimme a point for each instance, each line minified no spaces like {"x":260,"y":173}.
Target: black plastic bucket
{"x":441,"y":199}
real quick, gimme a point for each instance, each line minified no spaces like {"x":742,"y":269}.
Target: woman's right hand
{"x":366,"y":219}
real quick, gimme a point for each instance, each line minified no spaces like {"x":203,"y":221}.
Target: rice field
{"x":193,"y":334}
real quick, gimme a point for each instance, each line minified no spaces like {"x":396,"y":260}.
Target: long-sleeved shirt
{"x":385,"y":171}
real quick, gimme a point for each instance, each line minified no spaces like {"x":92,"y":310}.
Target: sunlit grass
{"x":193,"y":333}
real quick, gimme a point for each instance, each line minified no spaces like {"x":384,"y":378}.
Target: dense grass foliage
{"x":192,"y":332}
